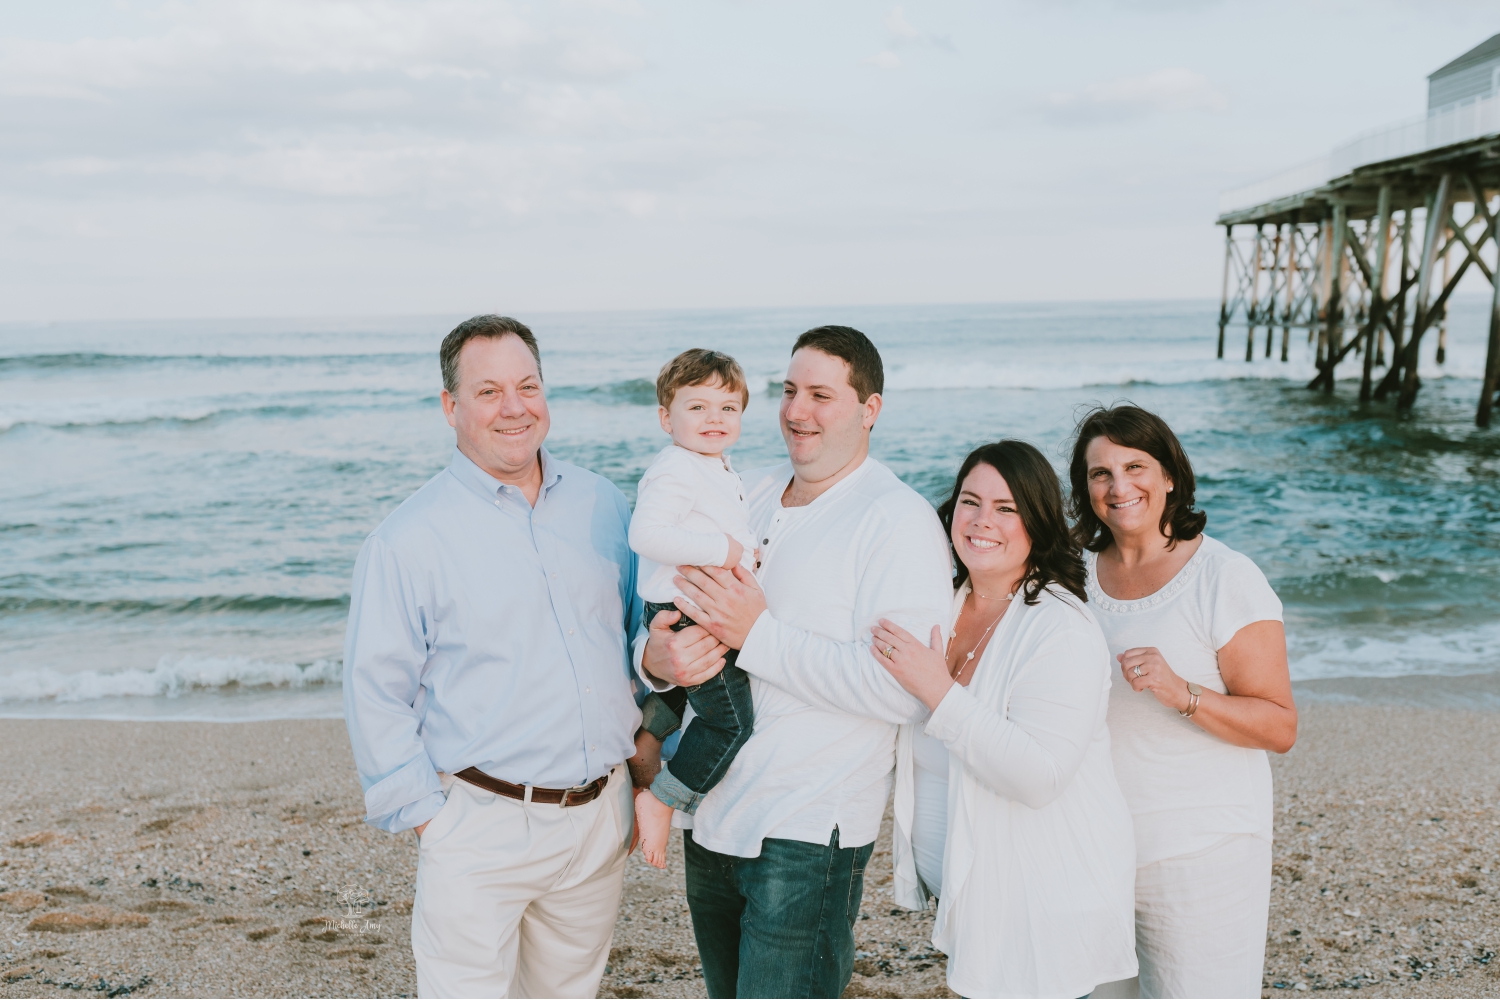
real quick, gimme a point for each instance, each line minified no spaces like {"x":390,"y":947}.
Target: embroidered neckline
{"x":1173,"y":587}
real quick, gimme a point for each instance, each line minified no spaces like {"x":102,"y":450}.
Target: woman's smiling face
{"x":1127,"y":487}
{"x":987,"y":531}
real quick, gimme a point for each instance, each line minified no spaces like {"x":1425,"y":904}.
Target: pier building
{"x":1362,"y":248}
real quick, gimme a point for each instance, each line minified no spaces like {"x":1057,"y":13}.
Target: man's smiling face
{"x":822,"y":419}
{"x":499,"y":410}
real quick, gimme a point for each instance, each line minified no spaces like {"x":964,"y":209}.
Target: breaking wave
{"x":170,"y":678}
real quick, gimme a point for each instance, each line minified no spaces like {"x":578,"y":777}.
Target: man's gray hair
{"x":481,"y":326}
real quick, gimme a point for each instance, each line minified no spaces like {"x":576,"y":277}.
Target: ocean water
{"x":181,"y":502}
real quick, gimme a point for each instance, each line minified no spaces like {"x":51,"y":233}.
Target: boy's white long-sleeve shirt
{"x":685,"y":505}
{"x":826,"y":712}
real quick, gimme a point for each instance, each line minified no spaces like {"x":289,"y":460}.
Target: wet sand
{"x":188,"y":859}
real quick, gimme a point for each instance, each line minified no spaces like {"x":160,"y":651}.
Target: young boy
{"x":690,"y":511}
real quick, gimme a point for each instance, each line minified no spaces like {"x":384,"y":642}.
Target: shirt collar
{"x":487,"y":486}
{"x":837,"y":489}
{"x":719,"y":461}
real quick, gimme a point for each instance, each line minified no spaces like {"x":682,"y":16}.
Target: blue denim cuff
{"x":674,"y":793}
{"x":657,"y":717}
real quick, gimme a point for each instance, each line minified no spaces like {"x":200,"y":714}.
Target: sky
{"x":304,"y":158}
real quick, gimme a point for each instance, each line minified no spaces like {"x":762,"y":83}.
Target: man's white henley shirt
{"x":869,"y":548}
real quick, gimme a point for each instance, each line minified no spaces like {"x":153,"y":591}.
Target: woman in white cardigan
{"x":1006,"y":805}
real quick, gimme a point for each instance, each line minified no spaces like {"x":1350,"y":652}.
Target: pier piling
{"x":1343,"y":252}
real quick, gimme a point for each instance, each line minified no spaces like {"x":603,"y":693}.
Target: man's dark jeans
{"x":724,"y":716}
{"x":780,"y":925}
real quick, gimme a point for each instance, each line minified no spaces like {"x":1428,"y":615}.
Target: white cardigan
{"x":1039,"y":861}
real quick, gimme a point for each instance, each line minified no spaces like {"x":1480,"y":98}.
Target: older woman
{"x":1201,"y":693}
{"x":1006,"y":804}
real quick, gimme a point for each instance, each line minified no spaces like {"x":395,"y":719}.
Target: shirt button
{"x":497,"y":503}
{"x":765,"y":541}
{"x":588,"y":690}
{"x":570,"y":631}
{"x":554,"y":576}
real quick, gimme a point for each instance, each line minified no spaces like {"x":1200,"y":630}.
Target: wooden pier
{"x":1362,"y":249}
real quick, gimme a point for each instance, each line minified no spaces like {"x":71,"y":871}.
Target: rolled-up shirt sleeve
{"x":385,"y":650}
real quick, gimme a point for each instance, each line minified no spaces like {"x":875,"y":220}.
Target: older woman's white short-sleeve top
{"x":1187,"y":790}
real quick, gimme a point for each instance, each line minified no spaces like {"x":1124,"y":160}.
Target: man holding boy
{"x":776,"y":855}
{"x":487,"y":688}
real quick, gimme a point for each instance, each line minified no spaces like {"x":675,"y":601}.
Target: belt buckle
{"x":567,"y":793}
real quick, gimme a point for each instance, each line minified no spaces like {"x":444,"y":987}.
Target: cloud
{"x":901,"y":33}
{"x":1163,"y":90}
{"x":203,"y":43}
{"x":396,"y":104}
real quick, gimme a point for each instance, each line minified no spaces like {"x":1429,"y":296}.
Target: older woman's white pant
{"x":518,"y":899}
{"x":1200,"y":923}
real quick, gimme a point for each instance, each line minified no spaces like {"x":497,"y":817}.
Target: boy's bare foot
{"x":645,"y":764}
{"x":653,"y":820}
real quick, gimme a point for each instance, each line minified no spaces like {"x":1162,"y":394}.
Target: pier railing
{"x":1469,"y":119}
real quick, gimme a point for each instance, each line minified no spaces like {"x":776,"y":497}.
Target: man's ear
{"x":872,"y":405}
{"x":448,"y":405}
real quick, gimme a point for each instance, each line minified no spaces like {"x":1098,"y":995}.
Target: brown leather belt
{"x":575,"y":796}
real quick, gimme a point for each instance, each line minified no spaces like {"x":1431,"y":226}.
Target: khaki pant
{"x":1200,"y":923}
{"x":518,"y":899}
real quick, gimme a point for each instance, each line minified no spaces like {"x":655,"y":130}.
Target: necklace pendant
{"x":969,"y":657}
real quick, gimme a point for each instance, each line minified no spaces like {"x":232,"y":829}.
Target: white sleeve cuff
{"x":760,"y":646}
{"x":638,"y":662}
{"x":947,"y":720}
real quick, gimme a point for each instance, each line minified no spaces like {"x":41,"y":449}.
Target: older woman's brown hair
{"x":1132,"y":427}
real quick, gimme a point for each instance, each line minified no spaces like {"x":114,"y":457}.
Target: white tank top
{"x":929,"y":825}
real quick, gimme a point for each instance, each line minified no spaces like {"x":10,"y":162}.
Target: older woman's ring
{"x":890,"y":652}
{"x":1137,"y":669}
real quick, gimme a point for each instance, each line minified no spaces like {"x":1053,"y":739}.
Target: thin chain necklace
{"x":953,"y":632}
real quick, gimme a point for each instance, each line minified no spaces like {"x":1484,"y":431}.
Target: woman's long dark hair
{"x":1142,"y":430}
{"x":1055,"y":557}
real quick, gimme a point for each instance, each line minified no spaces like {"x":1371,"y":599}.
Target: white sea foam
{"x":1100,"y":365}
{"x":1350,"y":653}
{"x":170,"y":678}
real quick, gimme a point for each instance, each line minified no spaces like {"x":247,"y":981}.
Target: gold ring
{"x":889,"y":651}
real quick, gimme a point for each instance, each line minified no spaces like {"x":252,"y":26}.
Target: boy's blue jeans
{"x":723,"y":719}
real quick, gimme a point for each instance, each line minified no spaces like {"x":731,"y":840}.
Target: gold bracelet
{"x":1194,"y":693}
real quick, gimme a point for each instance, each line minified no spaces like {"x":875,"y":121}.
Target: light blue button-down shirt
{"x":485,"y":633}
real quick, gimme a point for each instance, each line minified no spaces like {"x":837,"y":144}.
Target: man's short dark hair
{"x":481,"y":326}
{"x":866,"y":373}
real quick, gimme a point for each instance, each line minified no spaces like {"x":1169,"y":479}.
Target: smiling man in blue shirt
{"x":487,"y":688}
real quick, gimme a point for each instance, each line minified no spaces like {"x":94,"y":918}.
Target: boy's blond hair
{"x":700,"y":367}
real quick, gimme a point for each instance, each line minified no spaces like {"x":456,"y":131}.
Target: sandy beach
{"x":193,"y":859}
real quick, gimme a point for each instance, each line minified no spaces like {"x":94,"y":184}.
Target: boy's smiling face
{"x":704,"y":418}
